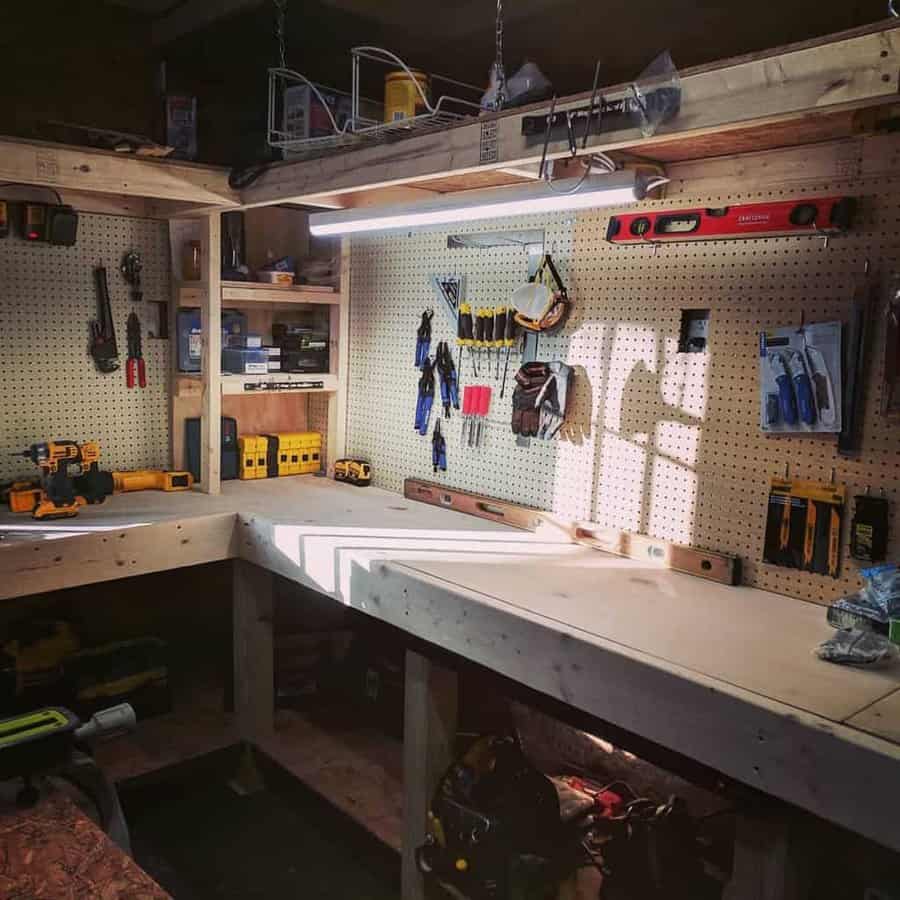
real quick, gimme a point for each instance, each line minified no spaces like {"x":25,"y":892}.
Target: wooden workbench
{"x":724,"y":675}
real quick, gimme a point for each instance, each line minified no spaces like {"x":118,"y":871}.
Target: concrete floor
{"x":203,"y":841}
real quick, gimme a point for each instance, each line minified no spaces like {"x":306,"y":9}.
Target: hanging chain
{"x":280,"y":15}
{"x":498,"y":62}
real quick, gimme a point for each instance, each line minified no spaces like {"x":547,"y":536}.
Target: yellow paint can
{"x":402,"y":99}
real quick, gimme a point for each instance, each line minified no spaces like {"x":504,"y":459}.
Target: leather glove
{"x":526,"y":416}
{"x":533,"y":374}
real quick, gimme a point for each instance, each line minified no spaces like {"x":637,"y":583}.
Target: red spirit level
{"x":815,"y":216}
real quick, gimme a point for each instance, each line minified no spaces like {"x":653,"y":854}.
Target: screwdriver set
{"x":475,"y":409}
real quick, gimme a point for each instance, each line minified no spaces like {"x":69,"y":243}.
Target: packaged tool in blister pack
{"x":803,"y":525}
{"x":800,"y":379}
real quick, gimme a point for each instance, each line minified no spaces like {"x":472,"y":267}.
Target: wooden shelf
{"x":359,"y":770}
{"x":196,"y":726}
{"x":798,"y":94}
{"x":245,"y":293}
{"x":254,"y":292}
{"x":189,"y":384}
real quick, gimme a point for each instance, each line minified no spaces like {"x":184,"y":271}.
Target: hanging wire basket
{"x":287,"y":132}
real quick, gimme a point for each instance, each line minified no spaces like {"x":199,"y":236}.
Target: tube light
{"x":614,"y":189}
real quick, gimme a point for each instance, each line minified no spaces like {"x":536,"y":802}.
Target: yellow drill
{"x":58,"y":498}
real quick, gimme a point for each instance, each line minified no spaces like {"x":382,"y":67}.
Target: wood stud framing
{"x":211,"y":358}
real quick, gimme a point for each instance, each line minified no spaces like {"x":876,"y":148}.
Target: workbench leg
{"x":254,"y":678}
{"x":771,"y":860}
{"x":429,"y":733}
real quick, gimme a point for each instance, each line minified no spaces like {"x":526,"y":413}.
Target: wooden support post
{"x":339,"y":326}
{"x":254,"y":678}
{"x":211,"y":360}
{"x":429,"y":733}
{"x":770,"y":862}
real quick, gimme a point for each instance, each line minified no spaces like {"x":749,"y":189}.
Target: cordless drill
{"x":58,"y":496}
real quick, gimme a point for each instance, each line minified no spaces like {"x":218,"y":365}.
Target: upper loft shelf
{"x":818,"y":90}
{"x":249,"y":293}
{"x":147,"y":186}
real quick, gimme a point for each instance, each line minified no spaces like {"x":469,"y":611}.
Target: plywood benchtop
{"x":722,"y":675}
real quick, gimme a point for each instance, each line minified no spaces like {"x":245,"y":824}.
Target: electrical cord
{"x":244,"y":176}
{"x":39,"y":187}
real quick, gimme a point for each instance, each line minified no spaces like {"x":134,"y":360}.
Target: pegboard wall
{"x":658,"y":441}
{"x":49,"y":386}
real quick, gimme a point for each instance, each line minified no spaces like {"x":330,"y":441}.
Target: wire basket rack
{"x":357,"y":128}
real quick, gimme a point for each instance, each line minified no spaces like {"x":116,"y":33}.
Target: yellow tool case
{"x":285,"y":453}
{"x":252,"y":449}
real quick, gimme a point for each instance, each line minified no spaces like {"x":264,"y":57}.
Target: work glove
{"x":553,"y":399}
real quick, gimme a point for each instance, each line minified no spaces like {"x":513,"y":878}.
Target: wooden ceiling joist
{"x":798,"y":94}
{"x":808,"y":93}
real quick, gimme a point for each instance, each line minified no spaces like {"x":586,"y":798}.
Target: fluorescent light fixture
{"x":614,"y":189}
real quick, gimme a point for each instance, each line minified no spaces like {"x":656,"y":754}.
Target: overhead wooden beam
{"x":194,"y":15}
{"x":840,"y":74}
{"x":62,"y":167}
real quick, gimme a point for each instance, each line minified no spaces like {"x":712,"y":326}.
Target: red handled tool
{"x":466,"y":411}
{"x":484,"y":405}
{"x":135,"y":370}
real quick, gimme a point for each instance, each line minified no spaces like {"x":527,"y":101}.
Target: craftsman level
{"x":824,"y":216}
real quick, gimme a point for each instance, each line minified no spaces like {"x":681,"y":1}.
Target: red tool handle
{"x":130,"y":372}
{"x":142,"y":372}
{"x":467,"y":400}
{"x":484,"y":400}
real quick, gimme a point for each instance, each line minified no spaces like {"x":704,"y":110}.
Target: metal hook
{"x":825,"y":235}
{"x":892,"y":10}
{"x":590,"y":115}
{"x":550,"y":116}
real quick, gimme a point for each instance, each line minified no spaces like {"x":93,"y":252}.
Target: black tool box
{"x":303,"y":349}
{"x":229,"y":464}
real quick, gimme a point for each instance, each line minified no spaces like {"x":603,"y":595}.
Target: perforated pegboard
{"x":658,"y":441}
{"x":49,"y":386}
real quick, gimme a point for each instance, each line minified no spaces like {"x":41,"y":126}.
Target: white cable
{"x":657,"y":182}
